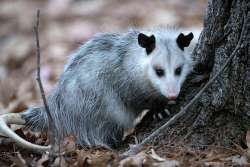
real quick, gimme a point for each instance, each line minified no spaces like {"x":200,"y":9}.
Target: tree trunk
{"x":222,"y":113}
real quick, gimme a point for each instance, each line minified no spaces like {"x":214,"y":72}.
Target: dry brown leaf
{"x":238,"y":160}
{"x":18,"y":160}
{"x":60,"y":161}
{"x":97,"y":158}
{"x":248,"y":139}
{"x":7,"y":91}
{"x":69,"y":144}
{"x":43,"y":160}
{"x":136,"y":160}
{"x":214,"y":164}
{"x":16,"y":106}
{"x":13,"y":58}
{"x":156,"y":157}
{"x":169,"y":163}
{"x":247,"y":153}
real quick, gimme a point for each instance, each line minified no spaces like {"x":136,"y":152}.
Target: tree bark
{"x":222,"y":113}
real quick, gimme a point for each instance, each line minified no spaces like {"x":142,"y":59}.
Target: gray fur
{"x":100,"y":93}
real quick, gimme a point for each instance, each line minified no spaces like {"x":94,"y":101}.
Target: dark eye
{"x":159,"y":72}
{"x":178,"y":71}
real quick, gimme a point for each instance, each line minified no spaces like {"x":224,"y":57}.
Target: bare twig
{"x":135,"y":149}
{"x":50,"y":120}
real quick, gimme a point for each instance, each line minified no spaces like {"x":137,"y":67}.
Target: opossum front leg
{"x":137,"y":120}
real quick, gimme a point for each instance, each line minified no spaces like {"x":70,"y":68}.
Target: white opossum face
{"x":169,"y":64}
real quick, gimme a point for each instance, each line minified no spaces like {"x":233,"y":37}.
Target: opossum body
{"x":110,"y":80}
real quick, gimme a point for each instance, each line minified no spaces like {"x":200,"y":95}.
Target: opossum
{"x":107,"y":84}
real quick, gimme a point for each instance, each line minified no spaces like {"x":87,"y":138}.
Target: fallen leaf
{"x":60,"y":161}
{"x":238,"y":159}
{"x":156,"y":157}
{"x":18,"y":160}
{"x":136,"y":160}
{"x":169,"y":163}
{"x":248,"y":139}
{"x":69,"y":143}
{"x":247,"y":153}
{"x":102,"y":158}
{"x":44,"y":160}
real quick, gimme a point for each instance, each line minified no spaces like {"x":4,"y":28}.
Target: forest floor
{"x":65,"y":25}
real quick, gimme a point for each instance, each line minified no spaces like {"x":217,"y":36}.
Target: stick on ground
{"x":38,"y":78}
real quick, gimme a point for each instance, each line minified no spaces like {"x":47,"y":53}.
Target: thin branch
{"x":50,"y":120}
{"x":135,"y":149}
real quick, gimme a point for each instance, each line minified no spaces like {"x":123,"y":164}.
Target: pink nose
{"x":172,"y":97}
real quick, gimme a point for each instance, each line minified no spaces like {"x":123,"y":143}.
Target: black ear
{"x":146,"y":42}
{"x":184,"y":40}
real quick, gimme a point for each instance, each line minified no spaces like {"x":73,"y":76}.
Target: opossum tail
{"x":19,"y":119}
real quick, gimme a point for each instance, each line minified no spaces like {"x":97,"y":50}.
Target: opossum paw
{"x":162,"y":114}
